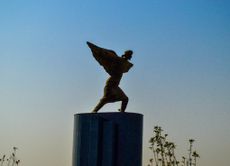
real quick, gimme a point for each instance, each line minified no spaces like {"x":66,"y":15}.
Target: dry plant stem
{"x":164,"y":151}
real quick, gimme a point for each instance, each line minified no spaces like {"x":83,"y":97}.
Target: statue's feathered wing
{"x":109,"y":59}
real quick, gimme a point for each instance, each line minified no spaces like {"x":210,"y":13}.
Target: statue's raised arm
{"x":111,"y":62}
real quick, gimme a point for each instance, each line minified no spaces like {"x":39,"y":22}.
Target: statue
{"x":115,"y":66}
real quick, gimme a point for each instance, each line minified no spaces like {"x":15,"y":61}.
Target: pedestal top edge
{"x":108,"y":113}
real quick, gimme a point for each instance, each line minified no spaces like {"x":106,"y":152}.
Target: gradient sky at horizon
{"x":180,"y":79}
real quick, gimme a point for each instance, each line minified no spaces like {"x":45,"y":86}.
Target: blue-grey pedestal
{"x":107,"y":139}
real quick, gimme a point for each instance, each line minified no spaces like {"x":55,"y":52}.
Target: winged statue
{"x":115,"y":66}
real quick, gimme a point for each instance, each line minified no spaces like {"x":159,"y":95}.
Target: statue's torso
{"x":113,"y":81}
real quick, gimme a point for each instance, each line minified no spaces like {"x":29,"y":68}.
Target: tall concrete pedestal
{"x":107,"y":139}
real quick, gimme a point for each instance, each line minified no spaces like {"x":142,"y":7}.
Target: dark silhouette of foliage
{"x":11,"y":161}
{"x":164,"y":151}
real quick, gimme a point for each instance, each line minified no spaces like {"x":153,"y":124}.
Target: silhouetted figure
{"x":115,"y":66}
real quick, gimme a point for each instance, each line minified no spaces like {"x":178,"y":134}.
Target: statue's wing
{"x":106,"y":58}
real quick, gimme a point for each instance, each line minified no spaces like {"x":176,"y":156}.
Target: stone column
{"x":107,"y":139}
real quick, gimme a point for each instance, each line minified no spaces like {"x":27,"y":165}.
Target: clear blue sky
{"x":180,"y":80}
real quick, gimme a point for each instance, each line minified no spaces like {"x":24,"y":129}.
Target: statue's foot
{"x":94,"y":111}
{"x":121,"y":110}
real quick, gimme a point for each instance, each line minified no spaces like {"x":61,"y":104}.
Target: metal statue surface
{"x":115,"y":66}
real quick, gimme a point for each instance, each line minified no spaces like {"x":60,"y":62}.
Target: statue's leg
{"x":102,"y":102}
{"x":123,"y":98}
{"x":124,"y":104}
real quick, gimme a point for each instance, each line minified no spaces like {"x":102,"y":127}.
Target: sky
{"x":180,"y":79}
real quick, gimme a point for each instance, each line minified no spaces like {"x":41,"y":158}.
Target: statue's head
{"x":127,"y":55}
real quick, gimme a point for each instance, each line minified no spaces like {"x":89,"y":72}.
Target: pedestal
{"x":107,"y":139}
